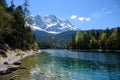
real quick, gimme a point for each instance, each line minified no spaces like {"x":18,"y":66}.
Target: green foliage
{"x":5,"y":23}
{"x":86,"y":40}
{"x":103,"y":40}
{"x":26,"y":12}
{"x":78,"y":37}
{"x":93,"y":43}
{"x":3,"y":3}
{"x":113,"y":40}
{"x":79,"y":40}
{"x":13,"y":30}
{"x":34,"y":46}
{"x":72,"y":44}
{"x":46,"y":45}
{"x":93,"y":39}
{"x":118,"y":38}
{"x":1,"y":56}
{"x":20,"y":53}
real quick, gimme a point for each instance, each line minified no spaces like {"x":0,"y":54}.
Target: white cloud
{"x":73,"y":16}
{"x":88,"y":19}
{"x":84,"y":19}
{"x":81,"y":18}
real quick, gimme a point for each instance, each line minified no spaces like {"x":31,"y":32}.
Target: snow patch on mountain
{"x":36,"y":28}
{"x":40,"y":29}
{"x":51,"y":24}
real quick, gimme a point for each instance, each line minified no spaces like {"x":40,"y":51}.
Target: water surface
{"x":70,"y":65}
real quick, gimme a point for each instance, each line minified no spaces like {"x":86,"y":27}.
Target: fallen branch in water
{"x":14,"y":77}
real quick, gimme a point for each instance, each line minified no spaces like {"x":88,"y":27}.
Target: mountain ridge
{"x":58,"y":40}
{"x":51,"y":24}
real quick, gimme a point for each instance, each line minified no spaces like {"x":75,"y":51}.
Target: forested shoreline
{"x":15,"y":33}
{"x":96,"y":40}
{"x":13,"y":29}
{"x":16,"y":38}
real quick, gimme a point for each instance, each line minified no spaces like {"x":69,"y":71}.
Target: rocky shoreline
{"x":12,"y":61}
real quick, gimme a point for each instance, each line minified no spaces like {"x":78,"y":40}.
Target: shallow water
{"x":69,"y":65}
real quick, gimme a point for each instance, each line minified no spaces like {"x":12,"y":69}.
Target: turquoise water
{"x":69,"y":65}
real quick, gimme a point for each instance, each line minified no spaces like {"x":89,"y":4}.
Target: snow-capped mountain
{"x":52,"y":24}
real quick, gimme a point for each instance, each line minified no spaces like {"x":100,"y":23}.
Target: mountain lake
{"x":57,"y":64}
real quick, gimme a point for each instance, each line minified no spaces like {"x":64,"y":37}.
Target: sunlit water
{"x":69,"y":65}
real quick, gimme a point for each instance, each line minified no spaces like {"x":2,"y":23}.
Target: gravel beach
{"x":12,"y":57}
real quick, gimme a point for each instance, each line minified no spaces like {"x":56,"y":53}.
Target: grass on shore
{"x":20,"y":53}
{"x":0,"y":56}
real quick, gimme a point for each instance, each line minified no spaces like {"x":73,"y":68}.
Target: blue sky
{"x":84,"y":14}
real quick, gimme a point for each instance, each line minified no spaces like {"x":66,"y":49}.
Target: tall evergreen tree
{"x":79,"y":40}
{"x":3,"y":3}
{"x":12,"y":28}
{"x":108,"y":39}
{"x":93,"y":43}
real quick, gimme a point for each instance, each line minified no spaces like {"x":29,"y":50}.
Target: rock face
{"x":12,"y":62}
{"x":8,"y":69}
{"x":52,"y":24}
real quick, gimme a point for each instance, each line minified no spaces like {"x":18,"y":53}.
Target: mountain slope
{"x":58,"y":40}
{"x":51,"y":24}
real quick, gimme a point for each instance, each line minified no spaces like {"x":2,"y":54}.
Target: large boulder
{"x":3,"y":53}
{"x":5,"y":69}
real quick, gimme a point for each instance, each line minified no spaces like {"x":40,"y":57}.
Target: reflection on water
{"x":112,"y":58}
{"x":69,"y":65}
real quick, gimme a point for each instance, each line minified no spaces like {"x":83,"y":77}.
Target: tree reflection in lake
{"x":70,"y":65}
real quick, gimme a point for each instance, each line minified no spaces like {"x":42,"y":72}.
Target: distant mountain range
{"x":51,"y":24}
{"x":52,"y":30}
{"x":58,"y":40}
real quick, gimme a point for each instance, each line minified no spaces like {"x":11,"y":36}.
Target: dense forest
{"x":96,"y":39}
{"x":16,"y":33}
{"x":13,"y":29}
